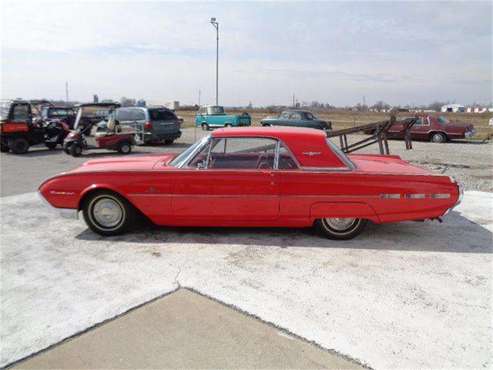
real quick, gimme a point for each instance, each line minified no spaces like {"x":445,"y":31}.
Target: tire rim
{"x":106,"y":212}
{"x":437,"y":138}
{"x":340,"y":225}
{"x":125,"y":148}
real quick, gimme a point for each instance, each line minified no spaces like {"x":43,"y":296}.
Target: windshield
{"x":310,"y":116}
{"x":59,"y":112}
{"x":443,"y":120}
{"x":183,"y":157}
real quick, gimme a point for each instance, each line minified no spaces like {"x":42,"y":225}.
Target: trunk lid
{"x":386,"y":164}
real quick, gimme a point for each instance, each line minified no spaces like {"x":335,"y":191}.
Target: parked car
{"x":253,"y":177}
{"x":213,"y":116}
{"x":19,"y":131}
{"x":298,"y":118}
{"x":157,"y":124}
{"x":63,"y":114}
{"x":106,"y":134}
{"x":437,"y":129}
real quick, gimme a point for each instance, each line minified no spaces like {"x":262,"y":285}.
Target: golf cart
{"x":19,"y":129}
{"x":95,"y":127}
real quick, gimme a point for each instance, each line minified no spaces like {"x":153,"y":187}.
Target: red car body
{"x":318,"y":182}
{"x":433,"y":128}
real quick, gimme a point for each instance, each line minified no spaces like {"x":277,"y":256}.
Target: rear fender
{"x":343,"y":209}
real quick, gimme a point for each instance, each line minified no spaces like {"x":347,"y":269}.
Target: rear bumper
{"x":152,"y":136}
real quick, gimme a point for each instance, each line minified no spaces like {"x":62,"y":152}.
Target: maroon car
{"x":437,"y":129}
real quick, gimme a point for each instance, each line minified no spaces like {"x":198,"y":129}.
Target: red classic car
{"x":435,"y":129}
{"x":265,"y":176}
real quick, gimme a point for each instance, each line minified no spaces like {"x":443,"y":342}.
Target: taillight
{"x":148,"y":125}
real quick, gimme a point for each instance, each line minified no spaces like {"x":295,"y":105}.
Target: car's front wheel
{"x":205,"y":127}
{"x":341,"y":228}
{"x":19,"y":145}
{"x":107,"y":213}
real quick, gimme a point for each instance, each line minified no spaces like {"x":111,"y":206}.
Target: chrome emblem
{"x":311,"y":154}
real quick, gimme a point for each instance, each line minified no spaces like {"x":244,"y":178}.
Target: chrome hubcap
{"x":340,"y":224}
{"x":107,"y":212}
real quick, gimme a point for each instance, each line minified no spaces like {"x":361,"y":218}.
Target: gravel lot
{"x":470,"y":163}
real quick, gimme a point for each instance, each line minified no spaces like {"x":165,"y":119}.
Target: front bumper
{"x":69,"y":213}
{"x":470,"y":133}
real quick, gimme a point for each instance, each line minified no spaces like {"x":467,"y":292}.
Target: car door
{"x":235,"y":184}
{"x":420,"y":128}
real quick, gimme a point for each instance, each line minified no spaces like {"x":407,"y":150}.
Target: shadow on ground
{"x":456,"y":234}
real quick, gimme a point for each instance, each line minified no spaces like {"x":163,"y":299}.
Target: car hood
{"x":131,"y":163}
{"x":386,"y":164}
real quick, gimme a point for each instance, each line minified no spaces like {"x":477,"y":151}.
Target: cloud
{"x":336,"y":52}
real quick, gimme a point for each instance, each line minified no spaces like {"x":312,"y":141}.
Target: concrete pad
{"x":186,"y":330}
{"x":402,"y":295}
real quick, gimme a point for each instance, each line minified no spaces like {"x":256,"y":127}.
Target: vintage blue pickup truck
{"x":214,"y":116}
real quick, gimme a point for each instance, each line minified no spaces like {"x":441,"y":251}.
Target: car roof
{"x":308,"y":145}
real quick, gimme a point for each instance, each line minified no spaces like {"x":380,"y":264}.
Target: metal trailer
{"x":378,"y":134}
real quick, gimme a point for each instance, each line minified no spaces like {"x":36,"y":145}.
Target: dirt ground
{"x":346,"y":119}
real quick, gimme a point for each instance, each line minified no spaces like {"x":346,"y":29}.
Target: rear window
{"x":161,"y":115}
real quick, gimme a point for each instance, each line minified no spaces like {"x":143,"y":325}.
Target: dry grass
{"x":345,"y":119}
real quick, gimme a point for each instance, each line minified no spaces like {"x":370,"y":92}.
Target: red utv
{"x":95,"y":127}
{"x":19,"y":131}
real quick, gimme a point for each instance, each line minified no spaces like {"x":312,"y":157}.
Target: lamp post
{"x":215,"y":24}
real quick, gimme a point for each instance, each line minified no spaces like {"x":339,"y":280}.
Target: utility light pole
{"x":215,"y":24}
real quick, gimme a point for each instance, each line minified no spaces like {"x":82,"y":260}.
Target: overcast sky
{"x":334,"y":52}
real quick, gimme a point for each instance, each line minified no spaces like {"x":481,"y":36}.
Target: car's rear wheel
{"x":107,"y":213}
{"x":124,"y":147}
{"x":19,"y":145}
{"x":51,"y":145}
{"x":168,"y":141}
{"x":438,"y":137}
{"x":205,"y":127}
{"x":341,"y":228}
{"x":228,"y":125}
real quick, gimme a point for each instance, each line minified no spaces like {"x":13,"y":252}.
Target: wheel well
{"x":105,"y":189}
{"x":99,"y":190}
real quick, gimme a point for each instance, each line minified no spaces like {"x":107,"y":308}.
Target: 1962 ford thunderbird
{"x":253,"y":177}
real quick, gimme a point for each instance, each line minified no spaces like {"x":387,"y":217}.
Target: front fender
{"x":343,"y":210}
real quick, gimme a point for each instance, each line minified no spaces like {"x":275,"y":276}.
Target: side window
{"x":295,"y":116}
{"x":242,"y":153}
{"x":286,"y":161}
{"x":20,"y":113}
{"x":285,"y":115}
{"x":419,"y":122}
